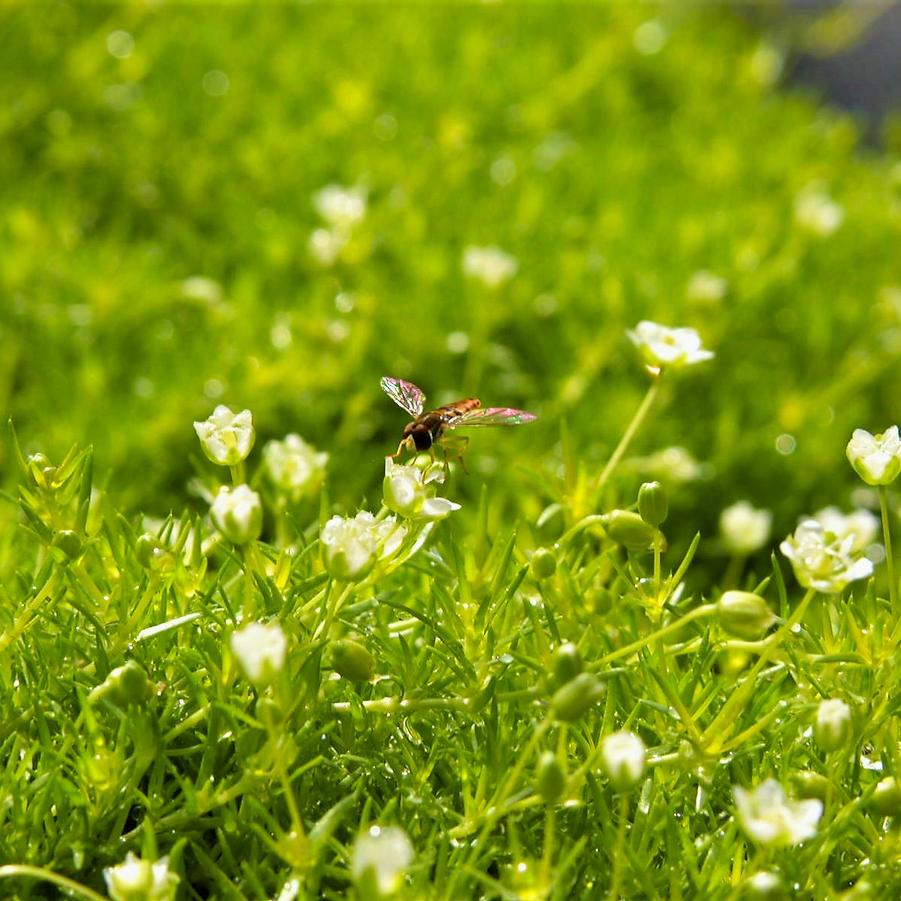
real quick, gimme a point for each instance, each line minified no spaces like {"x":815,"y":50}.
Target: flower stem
{"x":628,"y":435}
{"x":70,"y":885}
{"x":617,"y":878}
{"x":728,"y":715}
{"x":889,"y":556}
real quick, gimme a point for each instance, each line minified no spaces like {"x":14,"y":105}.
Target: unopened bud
{"x":886,"y":800}
{"x":550,"y":778}
{"x":352,"y":661}
{"x":744,"y":614}
{"x":764,"y":884}
{"x":623,"y":756}
{"x":68,"y":542}
{"x":125,"y":685}
{"x":833,"y":724}
{"x":652,"y":503}
{"x":808,"y":784}
{"x":543,"y":564}
{"x":577,"y":697}
{"x":630,"y":530}
{"x":567,"y":663}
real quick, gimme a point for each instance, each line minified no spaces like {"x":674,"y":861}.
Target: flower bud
{"x":577,"y":697}
{"x":567,"y":663}
{"x":352,"y":661}
{"x":652,"y":503}
{"x":833,"y":724}
{"x":630,"y":530}
{"x":550,"y":778}
{"x":141,"y":880}
{"x":68,"y":542}
{"x":623,"y":757}
{"x":226,"y":437}
{"x":875,"y":458}
{"x":260,"y":650}
{"x":808,"y":784}
{"x":543,"y":564}
{"x":886,"y":799}
{"x":379,"y":859}
{"x":744,"y":614}
{"x":151,"y":553}
{"x":238,"y":514}
{"x":125,"y":685}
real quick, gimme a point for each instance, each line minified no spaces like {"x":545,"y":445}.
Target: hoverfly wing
{"x":491,"y":416}
{"x":405,"y":394}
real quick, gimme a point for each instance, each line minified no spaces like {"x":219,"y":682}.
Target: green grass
{"x":614,"y":177}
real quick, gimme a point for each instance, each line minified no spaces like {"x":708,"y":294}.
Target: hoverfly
{"x":429,"y":429}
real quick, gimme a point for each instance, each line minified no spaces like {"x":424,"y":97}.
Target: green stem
{"x":617,"y":878}
{"x":70,"y":885}
{"x":889,"y":556}
{"x":722,"y":724}
{"x":697,"y":613}
{"x":628,"y":435}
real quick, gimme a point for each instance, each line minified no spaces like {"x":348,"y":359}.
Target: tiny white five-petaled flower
{"x":260,"y":650}
{"x":410,"y":491}
{"x":226,"y":437}
{"x":295,"y":467}
{"x":352,"y":545}
{"x":822,"y":561}
{"x":379,"y":859}
{"x":623,"y":758}
{"x":861,"y":524}
{"x":237,"y":513}
{"x":744,"y":528}
{"x":489,"y":265}
{"x":141,"y":880}
{"x":876,"y":458}
{"x":664,"y":347}
{"x":768,"y":818}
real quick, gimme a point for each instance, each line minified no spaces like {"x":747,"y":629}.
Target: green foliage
{"x":457,"y":679}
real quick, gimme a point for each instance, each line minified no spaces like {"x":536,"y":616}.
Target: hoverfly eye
{"x":422,"y":438}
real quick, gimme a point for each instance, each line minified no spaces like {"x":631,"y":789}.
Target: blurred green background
{"x":159,"y":165}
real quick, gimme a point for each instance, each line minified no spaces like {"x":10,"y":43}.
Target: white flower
{"x":817,"y":212}
{"x":860,"y":523}
{"x":767,"y":817}
{"x":875,"y":458}
{"x":294,"y":466}
{"x":325,"y":246}
{"x":140,"y":880}
{"x":705,"y":287}
{"x":410,"y":491}
{"x":351,"y":546}
{"x":238,"y":513}
{"x":668,"y":347}
{"x":260,"y":650}
{"x":341,"y":207}
{"x":744,"y":528}
{"x":833,"y":724}
{"x":226,"y":437}
{"x":623,"y":759}
{"x":672,"y":464}
{"x":489,"y":265}
{"x":379,"y":859}
{"x":823,"y":562}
